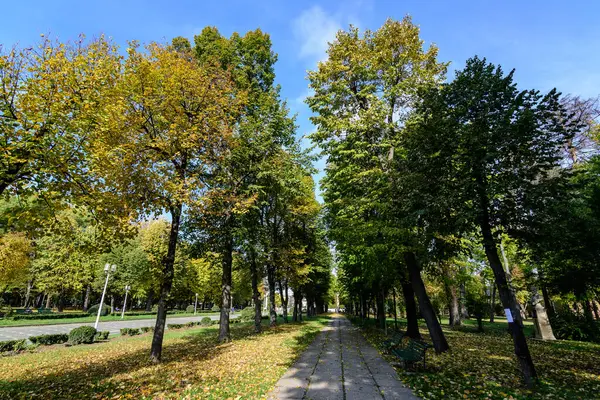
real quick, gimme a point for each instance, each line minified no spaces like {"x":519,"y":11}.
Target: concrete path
{"x":22,"y":332}
{"x":340,"y":365}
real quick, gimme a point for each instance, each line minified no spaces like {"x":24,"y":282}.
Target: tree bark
{"x":271,"y":282}
{"x":256,"y":295}
{"x":112,"y":303}
{"x":412,"y":329}
{"x":86,"y":300}
{"x":395,"y":309}
{"x":283,"y":292}
{"x":451,"y":294}
{"x":381,"y":309}
{"x":166,"y":284}
{"x":149,"y":301}
{"x":433,"y":325}
{"x":28,"y":293}
{"x":224,"y":335}
{"x":48,"y":299}
{"x":543,"y":329}
{"x":464,"y":314}
{"x":493,"y":304}
{"x":508,"y":301}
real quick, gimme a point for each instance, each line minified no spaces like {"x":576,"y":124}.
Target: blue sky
{"x":551,"y":43}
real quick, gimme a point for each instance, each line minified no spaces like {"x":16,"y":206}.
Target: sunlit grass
{"x":194,"y":365}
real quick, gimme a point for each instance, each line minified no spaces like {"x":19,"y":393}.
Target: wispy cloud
{"x":314,"y":28}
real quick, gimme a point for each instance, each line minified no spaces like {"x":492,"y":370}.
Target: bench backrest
{"x":418,"y":346}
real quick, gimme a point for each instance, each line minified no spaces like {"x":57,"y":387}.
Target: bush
{"x":247,"y":314}
{"x":189,"y":309}
{"x":102,"y":335}
{"x":155,"y":308}
{"x":175,"y":326}
{"x":215,"y":308}
{"x":13,"y":345}
{"x":146,"y":329}
{"x":130,"y":331}
{"x":82,"y":334}
{"x":93,"y":310}
{"x":567,"y":325}
{"x":50,"y":316}
{"x":49,"y":339}
{"x":206,"y":321}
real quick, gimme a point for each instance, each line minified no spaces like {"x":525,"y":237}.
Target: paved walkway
{"x":340,"y":365}
{"x":22,"y":332}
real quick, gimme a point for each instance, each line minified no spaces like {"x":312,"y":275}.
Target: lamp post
{"x":107,"y":268}
{"x":127,"y":289}
{"x":196,"y":304}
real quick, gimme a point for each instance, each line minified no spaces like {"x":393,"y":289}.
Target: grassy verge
{"x":106,"y":318}
{"x":194,"y":366}
{"x":483,"y":366}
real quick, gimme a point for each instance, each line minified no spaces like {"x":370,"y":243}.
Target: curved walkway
{"x":340,"y":365}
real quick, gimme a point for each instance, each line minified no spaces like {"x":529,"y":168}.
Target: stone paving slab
{"x":340,"y":365}
{"x":22,"y":332}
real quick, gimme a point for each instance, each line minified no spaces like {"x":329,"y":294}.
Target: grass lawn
{"x":194,"y":366}
{"x":25,"y":322}
{"x":483,"y":366}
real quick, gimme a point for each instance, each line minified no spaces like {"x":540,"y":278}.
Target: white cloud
{"x":314,"y":28}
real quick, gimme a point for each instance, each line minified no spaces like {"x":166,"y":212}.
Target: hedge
{"x":146,"y":329}
{"x":175,"y":326}
{"x":102,"y":335}
{"x":49,"y":316}
{"x":13,"y":345}
{"x":130,"y":331}
{"x":49,"y":339}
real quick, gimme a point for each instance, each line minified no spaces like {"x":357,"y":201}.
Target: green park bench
{"x":394,"y":342}
{"x":414,"y":352}
{"x":44,"y":311}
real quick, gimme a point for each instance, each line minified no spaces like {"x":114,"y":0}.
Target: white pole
{"x":196,"y":304}
{"x":125,"y":301}
{"x":102,"y":300}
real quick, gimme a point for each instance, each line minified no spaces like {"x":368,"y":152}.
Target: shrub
{"x":50,"y":316}
{"x":175,"y":326}
{"x":93,"y":310}
{"x":130,"y":331}
{"x":189,"y":309}
{"x":102,"y":335}
{"x":206,"y":321}
{"x":82,"y":334}
{"x":190,"y":324}
{"x":567,"y":325}
{"x":146,"y":329}
{"x":155,"y":308}
{"x":215,"y":308}
{"x":49,"y":339}
{"x":247,"y":314}
{"x":13,"y":345}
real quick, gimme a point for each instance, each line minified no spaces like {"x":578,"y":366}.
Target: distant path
{"x":22,"y":332}
{"x":340,"y":365}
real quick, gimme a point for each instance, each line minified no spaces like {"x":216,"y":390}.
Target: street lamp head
{"x":113,"y":268}
{"x":106,"y":267}
{"x":127,"y":287}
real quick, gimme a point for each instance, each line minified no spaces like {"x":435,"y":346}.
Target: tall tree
{"x":488,"y":153}
{"x":168,"y":124}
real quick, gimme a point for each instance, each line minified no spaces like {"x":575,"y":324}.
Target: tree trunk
{"x":479,"y":322}
{"x":149,"y":301}
{"x":493,"y":304}
{"x":464,"y":314}
{"x":363,"y":310}
{"x":412,"y":329}
{"x":453,"y":306}
{"x":381,"y":309}
{"x":271,"y":282}
{"x":165,"y":287}
{"x":284,"y":299}
{"x":224,"y":335}
{"x":395,"y":310}
{"x":256,"y":295}
{"x":28,"y":293}
{"x":300,"y":307}
{"x":543,"y":329}
{"x":112,"y":303}
{"x":508,"y":302}
{"x":596,"y":310}
{"x":547,"y":302}
{"x":433,"y":325}
{"x":86,"y":300}
{"x":61,"y":300}
{"x":48,"y":299}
